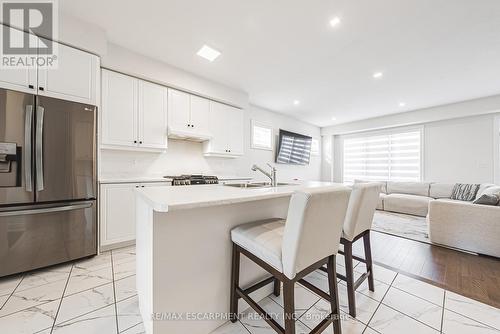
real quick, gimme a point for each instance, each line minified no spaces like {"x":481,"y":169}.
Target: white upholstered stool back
{"x":313,"y":227}
{"x":362,"y":205}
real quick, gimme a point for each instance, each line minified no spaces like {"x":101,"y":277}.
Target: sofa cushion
{"x":409,"y":204}
{"x":410,"y":188}
{"x":449,"y":200}
{"x":465,"y":192}
{"x":383,"y":183}
{"x":441,"y":190}
{"x":380,"y":204}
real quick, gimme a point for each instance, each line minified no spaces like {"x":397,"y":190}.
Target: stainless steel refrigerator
{"x":47,"y":181}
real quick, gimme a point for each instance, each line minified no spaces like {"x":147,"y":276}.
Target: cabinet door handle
{"x":31,"y":86}
{"x":135,"y":141}
{"x":140,"y":142}
{"x":40,"y":88}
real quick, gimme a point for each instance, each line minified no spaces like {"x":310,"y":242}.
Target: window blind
{"x":394,"y":156}
{"x":294,"y":150}
{"x":262,"y":136}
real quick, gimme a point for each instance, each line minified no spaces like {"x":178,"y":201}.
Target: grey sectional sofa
{"x":453,"y":223}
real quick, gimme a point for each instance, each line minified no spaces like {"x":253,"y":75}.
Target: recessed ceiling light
{"x":296,"y":102}
{"x":378,"y":75}
{"x":334,"y":118}
{"x":402,"y":104}
{"x":208,"y":53}
{"x":335,"y":21}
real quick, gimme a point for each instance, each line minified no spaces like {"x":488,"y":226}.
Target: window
{"x":262,"y":136}
{"x":393,"y":156}
{"x":315,"y":146}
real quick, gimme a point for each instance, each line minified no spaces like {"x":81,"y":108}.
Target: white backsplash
{"x":182,"y":157}
{"x":185,"y":157}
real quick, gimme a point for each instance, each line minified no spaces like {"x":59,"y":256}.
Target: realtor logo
{"x":28,"y":31}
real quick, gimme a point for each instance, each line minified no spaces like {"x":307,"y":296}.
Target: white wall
{"x":187,"y":157}
{"x":460,"y":150}
{"x":132,"y":63}
{"x":455,"y":150}
{"x":79,"y":34}
{"x":477,"y":107}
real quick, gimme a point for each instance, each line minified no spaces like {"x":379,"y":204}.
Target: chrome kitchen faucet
{"x":271,"y":175}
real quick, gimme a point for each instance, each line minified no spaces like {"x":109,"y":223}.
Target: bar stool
{"x":357,"y":225}
{"x":290,"y":250}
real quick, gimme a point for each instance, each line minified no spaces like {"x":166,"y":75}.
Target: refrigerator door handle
{"x":28,"y":120}
{"x":46,"y":210}
{"x":39,"y":148}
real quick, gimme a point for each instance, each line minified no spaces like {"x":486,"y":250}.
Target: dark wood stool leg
{"x":235,"y":281}
{"x":368,"y":257}
{"x":349,"y":270}
{"x":334,"y":296}
{"x":289,"y":302}
{"x":277,"y":287}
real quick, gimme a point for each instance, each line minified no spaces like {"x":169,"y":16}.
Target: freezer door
{"x":37,"y":236}
{"x":65,"y":150}
{"x":16,"y":139}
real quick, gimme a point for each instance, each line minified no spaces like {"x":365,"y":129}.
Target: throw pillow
{"x":487,"y":200}
{"x":494,"y":190}
{"x":465,"y":192}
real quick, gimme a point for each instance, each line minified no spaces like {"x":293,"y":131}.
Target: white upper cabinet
{"x":199,"y":116}
{"x":21,"y":79}
{"x":152,"y":115}
{"x":119,"y":109}
{"x":134,"y":113}
{"x":234,"y":121}
{"x":226,"y":127}
{"x":178,"y":112}
{"x":188,"y":116}
{"x":74,"y":79}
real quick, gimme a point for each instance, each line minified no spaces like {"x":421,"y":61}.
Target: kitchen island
{"x":184,"y":251}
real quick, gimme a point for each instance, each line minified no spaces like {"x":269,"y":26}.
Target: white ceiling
{"x":431,"y":51}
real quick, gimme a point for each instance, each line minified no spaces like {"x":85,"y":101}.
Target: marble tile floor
{"x":98,"y":295}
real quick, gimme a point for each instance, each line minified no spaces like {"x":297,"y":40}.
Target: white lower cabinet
{"x":117,"y":212}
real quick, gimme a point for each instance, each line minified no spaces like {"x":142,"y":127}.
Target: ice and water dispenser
{"x":10,"y":165}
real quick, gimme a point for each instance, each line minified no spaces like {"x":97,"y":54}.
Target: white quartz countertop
{"x":132,"y":179}
{"x":164,"y":199}
{"x":234,"y":178}
{"x":145,"y":179}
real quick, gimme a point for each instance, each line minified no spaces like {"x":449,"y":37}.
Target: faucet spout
{"x":271,"y":175}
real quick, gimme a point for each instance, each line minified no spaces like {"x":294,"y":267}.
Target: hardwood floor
{"x":477,"y":277}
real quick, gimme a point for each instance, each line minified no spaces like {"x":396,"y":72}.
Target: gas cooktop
{"x":186,"y":180}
